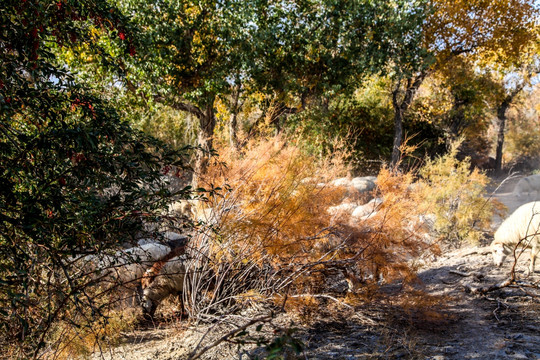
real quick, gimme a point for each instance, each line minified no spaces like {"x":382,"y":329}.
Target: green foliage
{"x":74,"y":178}
{"x":188,"y":54}
{"x":363,"y":121}
{"x":455,"y":102}
{"x":305,"y":48}
{"x":171,"y":126}
{"x":283,"y":345}
{"x":455,"y":195}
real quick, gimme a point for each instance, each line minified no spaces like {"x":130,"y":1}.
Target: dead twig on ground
{"x":460,"y":273}
{"x":507,"y":283}
{"x":322,"y":296}
{"x":485,"y":290}
{"x":498,"y":308}
{"x":262,"y":319}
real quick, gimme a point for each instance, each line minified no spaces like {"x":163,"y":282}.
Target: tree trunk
{"x":398,"y":130}
{"x":233,"y":132}
{"x":501,"y":117}
{"x":400,"y":108}
{"x":457,"y":121}
{"x":233,"y":122}
{"x":207,"y":123}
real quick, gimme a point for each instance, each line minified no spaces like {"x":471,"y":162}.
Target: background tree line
{"x":275,"y":62}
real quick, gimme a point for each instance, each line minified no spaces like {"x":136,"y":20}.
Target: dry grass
{"x":78,"y":337}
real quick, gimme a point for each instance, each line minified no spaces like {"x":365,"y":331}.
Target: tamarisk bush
{"x":274,"y":238}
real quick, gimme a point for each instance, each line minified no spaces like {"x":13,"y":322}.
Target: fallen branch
{"x":484,"y":250}
{"x":498,"y":308}
{"x":460,"y":273}
{"x":322,"y":296}
{"x":450,"y":282}
{"x":485,"y":290}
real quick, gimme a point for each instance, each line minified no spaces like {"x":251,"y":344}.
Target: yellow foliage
{"x":483,"y":28}
{"x":456,"y":196}
{"x":523,"y":136}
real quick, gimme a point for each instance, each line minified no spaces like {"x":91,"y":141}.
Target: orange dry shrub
{"x":397,"y":233}
{"x":272,"y":232}
{"x":277,"y":203}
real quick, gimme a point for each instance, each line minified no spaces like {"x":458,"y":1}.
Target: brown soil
{"x":501,"y":324}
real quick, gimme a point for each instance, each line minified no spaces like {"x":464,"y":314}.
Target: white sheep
{"x":164,"y":278}
{"x":126,"y":267}
{"x":169,"y":238}
{"x":520,"y":228}
{"x":528,"y":185}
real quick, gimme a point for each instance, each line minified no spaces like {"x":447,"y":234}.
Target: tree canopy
{"x":190,"y":53}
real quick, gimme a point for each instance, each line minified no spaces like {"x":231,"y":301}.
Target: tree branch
{"x":182,"y":106}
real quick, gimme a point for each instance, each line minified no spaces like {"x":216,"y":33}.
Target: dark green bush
{"x":74,"y":178}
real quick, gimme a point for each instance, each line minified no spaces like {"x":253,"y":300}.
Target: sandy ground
{"x":502,"y":324}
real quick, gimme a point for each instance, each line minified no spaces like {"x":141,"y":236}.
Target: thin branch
{"x":195,"y":355}
{"x":326,"y":296}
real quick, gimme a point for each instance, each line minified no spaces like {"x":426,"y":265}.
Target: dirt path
{"x":500,"y":325}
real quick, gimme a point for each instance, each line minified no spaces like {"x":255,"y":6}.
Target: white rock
{"x":363,"y":184}
{"x":341,"y":182}
{"x":344,"y":208}
{"x":368,"y":209}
